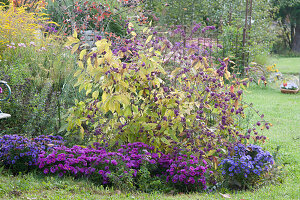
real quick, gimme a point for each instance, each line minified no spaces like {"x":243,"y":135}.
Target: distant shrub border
{"x":134,"y":164}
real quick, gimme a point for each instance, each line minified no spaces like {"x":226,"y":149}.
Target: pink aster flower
{"x":22,"y":45}
{"x":32,"y":44}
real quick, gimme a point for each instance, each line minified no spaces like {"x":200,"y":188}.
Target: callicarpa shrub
{"x":20,"y":154}
{"x":196,"y":106}
{"x":246,"y":165}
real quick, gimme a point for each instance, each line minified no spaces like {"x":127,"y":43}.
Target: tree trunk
{"x":296,"y":41}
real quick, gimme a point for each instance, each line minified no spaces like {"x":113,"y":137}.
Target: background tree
{"x":229,"y":19}
{"x":289,"y":18}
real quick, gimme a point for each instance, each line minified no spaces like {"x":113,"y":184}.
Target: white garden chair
{"x":3,"y":84}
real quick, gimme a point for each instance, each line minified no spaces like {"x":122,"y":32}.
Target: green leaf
{"x":135,"y":109}
{"x":165,"y":141}
{"x":173,"y":136}
{"x":149,"y":126}
{"x":211,"y":152}
{"x":127,"y":111}
{"x":123,"y":99}
{"x":180,"y":127}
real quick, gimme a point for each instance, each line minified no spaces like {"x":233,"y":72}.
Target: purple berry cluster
{"x":50,"y":28}
{"x":247,"y":164}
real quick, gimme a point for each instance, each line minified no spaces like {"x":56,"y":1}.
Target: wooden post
{"x":249,"y":28}
{"x":245,"y":32}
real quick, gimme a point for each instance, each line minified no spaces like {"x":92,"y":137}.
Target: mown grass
{"x":289,"y":65}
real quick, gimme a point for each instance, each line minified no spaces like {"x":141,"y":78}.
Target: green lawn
{"x":282,"y":110}
{"x":287,"y":65}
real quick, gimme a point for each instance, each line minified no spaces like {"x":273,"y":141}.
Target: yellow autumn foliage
{"x":18,"y":25}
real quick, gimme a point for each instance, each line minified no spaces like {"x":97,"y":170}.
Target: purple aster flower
{"x":52,"y":170}
{"x":114,"y":162}
{"x":191,"y":180}
{"x":46,"y":171}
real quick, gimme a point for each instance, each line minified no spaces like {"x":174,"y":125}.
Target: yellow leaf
{"x":198,"y":65}
{"x":117,"y":107}
{"x":70,"y":41}
{"x":95,"y":94}
{"x":75,"y":34}
{"x":82,"y":54}
{"x":207,"y":106}
{"x":130,"y":25}
{"x":88,"y":91}
{"x":145,"y":29}
{"x":80,"y":64}
{"x":81,"y":132}
{"x":77,"y":73}
{"x":209,"y":70}
{"x":123,"y":99}
{"x":104,"y":96}
{"x":148,"y":39}
{"x":133,"y":34}
{"x":158,"y":53}
{"x":108,"y":56}
{"x":100,"y":44}
{"x":76,"y":46}
{"x":227,"y":74}
{"x":112,"y":107}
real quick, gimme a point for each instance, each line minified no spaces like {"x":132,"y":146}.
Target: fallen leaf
{"x":225,"y":195}
{"x":118,"y":192}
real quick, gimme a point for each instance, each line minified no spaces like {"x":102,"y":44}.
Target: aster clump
{"x":137,"y":165}
{"x":246,"y":166}
{"x":96,"y":163}
{"x":79,"y":162}
{"x":20,"y":154}
{"x":188,"y":173}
